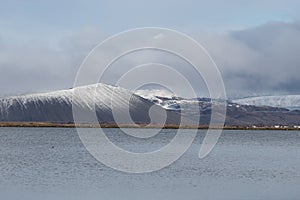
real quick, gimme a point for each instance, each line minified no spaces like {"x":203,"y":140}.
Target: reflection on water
{"x":37,"y":163}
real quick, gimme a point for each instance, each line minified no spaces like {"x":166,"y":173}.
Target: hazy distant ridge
{"x":287,"y":101}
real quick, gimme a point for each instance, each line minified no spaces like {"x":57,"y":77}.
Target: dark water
{"x":52,"y":163}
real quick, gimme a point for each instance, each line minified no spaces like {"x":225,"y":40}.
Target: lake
{"x":52,"y":163}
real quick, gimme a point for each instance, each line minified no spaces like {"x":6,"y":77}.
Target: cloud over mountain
{"x":258,"y":60}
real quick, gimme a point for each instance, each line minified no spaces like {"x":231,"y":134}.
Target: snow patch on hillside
{"x":288,"y":101}
{"x":86,"y":96}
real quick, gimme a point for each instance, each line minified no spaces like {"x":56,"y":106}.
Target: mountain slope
{"x":57,"y":106}
{"x":239,"y":113}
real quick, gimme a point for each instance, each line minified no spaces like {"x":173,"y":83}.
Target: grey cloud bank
{"x":259,"y":60}
{"x":255,"y":61}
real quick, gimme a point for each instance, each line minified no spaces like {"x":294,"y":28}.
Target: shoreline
{"x":167,"y":126}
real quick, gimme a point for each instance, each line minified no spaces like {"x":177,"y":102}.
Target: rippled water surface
{"x":52,"y":163}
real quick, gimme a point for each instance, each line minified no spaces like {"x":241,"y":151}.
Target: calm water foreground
{"x":52,"y":163}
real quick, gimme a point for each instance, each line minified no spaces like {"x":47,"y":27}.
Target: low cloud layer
{"x":255,"y":61}
{"x":262,"y":60}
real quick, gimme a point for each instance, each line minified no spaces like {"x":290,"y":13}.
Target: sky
{"x":255,"y":44}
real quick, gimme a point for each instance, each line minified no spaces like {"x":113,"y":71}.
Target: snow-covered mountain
{"x":288,"y":101}
{"x":57,"y":106}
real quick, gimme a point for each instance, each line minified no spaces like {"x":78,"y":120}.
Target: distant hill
{"x":243,"y":112}
{"x":291,"y":102}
